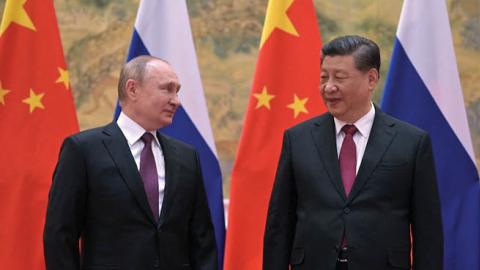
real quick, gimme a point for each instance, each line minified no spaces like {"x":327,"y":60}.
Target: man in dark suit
{"x":353,"y":185}
{"x":133,"y":196}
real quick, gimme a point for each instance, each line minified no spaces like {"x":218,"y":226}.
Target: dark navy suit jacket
{"x":97,"y":196}
{"x":395,"y":190}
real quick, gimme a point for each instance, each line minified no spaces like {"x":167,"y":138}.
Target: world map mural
{"x":96,"y":36}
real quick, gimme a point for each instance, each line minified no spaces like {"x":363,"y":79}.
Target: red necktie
{"x":148,"y":172}
{"x":348,"y":158}
{"x":348,"y":163}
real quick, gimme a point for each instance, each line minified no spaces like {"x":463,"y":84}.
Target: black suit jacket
{"x":395,"y":189}
{"x":97,"y":196}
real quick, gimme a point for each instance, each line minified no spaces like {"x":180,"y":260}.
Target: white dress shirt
{"x":364,"y":126}
{"x":133,"y":133}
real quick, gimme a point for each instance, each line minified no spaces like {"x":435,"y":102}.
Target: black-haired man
{"x":354,"y":184}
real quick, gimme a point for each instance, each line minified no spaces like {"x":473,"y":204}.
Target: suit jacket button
{"x":346,"y":210}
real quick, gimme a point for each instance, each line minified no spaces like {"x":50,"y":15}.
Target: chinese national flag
{"x":36,"y":113}
{"x":285,"y":91}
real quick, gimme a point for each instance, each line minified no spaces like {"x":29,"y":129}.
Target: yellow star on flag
{"x":263,"y":99}
{"x":3,"y":93}
{"x":63,"y":78}
{"x":298,"y":106}
{"x":15,"y":13}
{"x":277,"y":18}
{"x":34,"y":100}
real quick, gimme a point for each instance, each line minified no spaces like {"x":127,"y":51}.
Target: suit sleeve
{"x":66,"y":210}
{"x":427,"y":230}
{"x":281,"y":217}
{"x":202,"y":246}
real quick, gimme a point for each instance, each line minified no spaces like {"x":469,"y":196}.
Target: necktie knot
{"x":147,"y":138}
{"x":349,"y":129}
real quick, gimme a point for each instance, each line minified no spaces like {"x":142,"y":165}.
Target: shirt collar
{"x":364,"y":124}
{"x":132,"y":131}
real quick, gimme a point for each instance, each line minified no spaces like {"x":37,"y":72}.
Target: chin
{"x":166,"y":122}
{"x":334,"y":110}
{"x":336,"y":113}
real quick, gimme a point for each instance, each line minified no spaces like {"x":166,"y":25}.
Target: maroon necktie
{"x":148,"y":172}
{"x":348,"y":158}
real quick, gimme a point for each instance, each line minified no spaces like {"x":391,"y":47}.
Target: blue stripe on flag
{"x":136,"y":46}
{"x":406,"y":97}
{"x":183,"y":129}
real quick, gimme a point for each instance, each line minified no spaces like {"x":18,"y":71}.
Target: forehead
{"x":338,"y":63}
{"x":160,"y":70}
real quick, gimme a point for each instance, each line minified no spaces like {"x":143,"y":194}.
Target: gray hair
{"x":134,"y":69}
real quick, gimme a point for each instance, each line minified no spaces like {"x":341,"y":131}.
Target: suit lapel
{"x":379,"y":140}
{"x":117,"y":146}
{"x":323,"y":133}
{"x":170,"y":155}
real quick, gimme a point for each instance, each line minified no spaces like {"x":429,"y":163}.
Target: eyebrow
{"x":172,"y":84}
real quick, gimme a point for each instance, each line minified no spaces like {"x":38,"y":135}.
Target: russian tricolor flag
{"x":162,"y":29}
{"x":423,"y":88}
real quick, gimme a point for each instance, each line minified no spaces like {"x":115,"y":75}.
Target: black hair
{"x":366,"y":53}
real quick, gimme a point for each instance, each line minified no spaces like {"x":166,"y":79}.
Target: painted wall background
{"x":96,"y":36}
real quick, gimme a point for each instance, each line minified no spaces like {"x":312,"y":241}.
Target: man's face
{"x":157,"y":96}
{"x":346,"y":91}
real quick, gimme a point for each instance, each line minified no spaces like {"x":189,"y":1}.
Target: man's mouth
{"x":332,"y":101}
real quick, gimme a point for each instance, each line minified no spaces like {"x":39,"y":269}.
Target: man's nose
{"x":175,"y":100}
{"x":330,"y":86}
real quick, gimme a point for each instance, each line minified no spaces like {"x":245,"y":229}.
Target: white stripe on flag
{"x":428,"y":50}
{"x":181,"y":55}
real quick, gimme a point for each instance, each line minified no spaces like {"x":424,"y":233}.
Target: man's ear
{"x":373,"y":77}
{"x":131,"y":89}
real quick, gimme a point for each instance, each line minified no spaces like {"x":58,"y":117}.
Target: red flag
{"x":36,"y":113}
{"x":285,"y":91}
